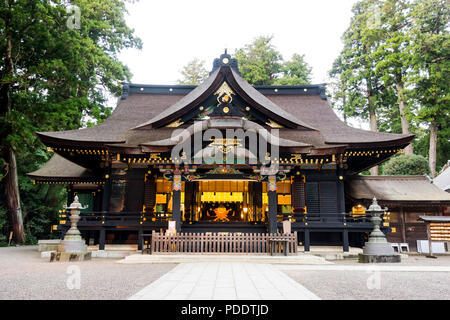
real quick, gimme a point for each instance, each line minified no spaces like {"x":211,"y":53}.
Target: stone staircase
{"x":300,"y":259}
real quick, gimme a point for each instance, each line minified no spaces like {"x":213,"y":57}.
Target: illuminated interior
{"x":224,"y":200}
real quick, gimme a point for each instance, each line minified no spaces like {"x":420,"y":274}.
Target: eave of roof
{"x":59,"y":168}
{"x":142,"y":102}
{"x":395,"y":188}
{"x":434,"y":218}
{"x":443,"y":179}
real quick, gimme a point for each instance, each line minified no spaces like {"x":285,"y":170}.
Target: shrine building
{"x":220,"y":157}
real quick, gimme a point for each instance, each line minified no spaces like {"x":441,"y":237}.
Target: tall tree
{"x":259,"y":62}
{"x":295,"y":72}
{"x":194,"y":72}
{"x":55,"y":64}
{"x":393,"y":57}
{"x":356,"y":66}
{"x":430,"y":61}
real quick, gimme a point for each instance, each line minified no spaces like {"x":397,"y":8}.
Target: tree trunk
{"x":432,"y":151}
{"x":344,"y":108}
{"x":374,"y":127}
{"x":52,"y":198}
{"x":404,"y":120}
{"x":11,"y":182}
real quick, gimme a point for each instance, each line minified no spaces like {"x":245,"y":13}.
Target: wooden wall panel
{"x":150,"y":194}
{"x":135,"y":195}
{"x":298,"y":195}
{"x":328,"y":197}
{"x":312,"y":197}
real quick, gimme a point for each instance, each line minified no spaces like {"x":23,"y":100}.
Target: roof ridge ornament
{"x":224,"y":89}
{"x":225,"y":60}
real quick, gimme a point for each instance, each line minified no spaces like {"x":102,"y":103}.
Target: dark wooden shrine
{"x":166,"y":154}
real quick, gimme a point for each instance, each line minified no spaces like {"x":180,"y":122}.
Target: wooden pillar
{"x":307,"y":243}
{"x":70,"y":194}
{"x":176,"y":201}
{"x":102,"y":240}
{"x":340,"y":192}
{"x":345,"y":243}
{"x":107,"y":188}
{"x":140,"y":240}
{"x":273,"y":204}
{"x":189,"y":190}
{"x":430,"y":243}
{"x":402,"y":220}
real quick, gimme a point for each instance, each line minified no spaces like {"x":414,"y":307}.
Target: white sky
{"x":174,"y":32}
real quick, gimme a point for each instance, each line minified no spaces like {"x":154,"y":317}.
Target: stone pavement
{"x":224,"y":281}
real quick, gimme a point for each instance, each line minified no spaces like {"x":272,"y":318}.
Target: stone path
{"x":225,"y":281}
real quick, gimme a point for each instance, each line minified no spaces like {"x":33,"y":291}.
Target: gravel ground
{"x":385,"y":285}
{"x":412,"y":260}
{"x":24,"y":275}
{"x":353,"y":285}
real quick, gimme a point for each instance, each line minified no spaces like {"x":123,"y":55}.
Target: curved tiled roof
{"x":443,"y":179}
{"x":142,"y":109}
{"x":317,"y":112}
{"x":60,"y":168}
{"x":395,"y":188}
{"x":209,"y":86}
{"x":129,"y":113}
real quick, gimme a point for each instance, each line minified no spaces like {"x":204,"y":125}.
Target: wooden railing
{"x":119,"y":218}
{"x":324,"y":218}
{"x":227,"y":243}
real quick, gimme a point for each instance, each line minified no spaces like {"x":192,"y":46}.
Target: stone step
{"x":302,"y":259}
{"x":116,"y":247}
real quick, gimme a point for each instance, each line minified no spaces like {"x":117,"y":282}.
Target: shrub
{"x":406,"y":165}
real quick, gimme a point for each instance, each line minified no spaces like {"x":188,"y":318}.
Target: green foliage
{"x":397,"y":52}
{"x":194,"y":73}
{"x":422,"y":143}
{"x":430,"y":60}
{"x":56,"y":77}
{"x":360,"y":91}
{"x":295,"y":72}
{"x":406,"y":165}
{"x":260,"y":63}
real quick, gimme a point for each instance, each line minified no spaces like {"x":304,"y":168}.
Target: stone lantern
{"x":73,"y":247}
{"x":377,"y":248}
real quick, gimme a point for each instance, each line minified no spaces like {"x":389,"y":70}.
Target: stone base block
{"x":48,"y":245}
{"x":47,"y":254}
{"x":70,"y":256}
{"x":72,"y":246}
{"x":372,"y":258}
{"x":111,"y":254}
{"x":378,"y":249}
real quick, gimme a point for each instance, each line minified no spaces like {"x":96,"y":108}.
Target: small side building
{"x":443,"y":179}
{"x":406,"y":197}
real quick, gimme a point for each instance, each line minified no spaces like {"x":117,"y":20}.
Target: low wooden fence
{"x":226,"y":243}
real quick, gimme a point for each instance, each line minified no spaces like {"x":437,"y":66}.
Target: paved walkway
{"x":224,"y":281}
